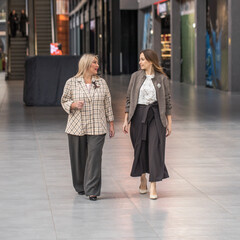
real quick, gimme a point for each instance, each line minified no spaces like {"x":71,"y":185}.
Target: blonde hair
{"x":152,"y":57}
{"x":85,"y":63}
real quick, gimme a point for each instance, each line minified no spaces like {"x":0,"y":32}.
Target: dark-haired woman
{"x":148,"y":109}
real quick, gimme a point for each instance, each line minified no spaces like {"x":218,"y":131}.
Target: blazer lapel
{"x":157,"y":82}
{"x":93,"y":88}
{"x":139,"y":82}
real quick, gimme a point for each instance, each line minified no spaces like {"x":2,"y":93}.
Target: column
{"x":176,"y":41}
{"x":200,"y":42}
{"x":233,"y":47}
{"x":140,"y":29}
{"x":31,"y":28}
{"x":115,"y":37}
{"x":156,"y":33}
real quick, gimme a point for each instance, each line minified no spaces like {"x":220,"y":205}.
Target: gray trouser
{"x":86,"y":160}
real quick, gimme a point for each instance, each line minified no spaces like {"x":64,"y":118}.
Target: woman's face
{"x":93,"y":69}
{"x":144,"y":64}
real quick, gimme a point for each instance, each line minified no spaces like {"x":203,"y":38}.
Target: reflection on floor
{"x":200,"y":200}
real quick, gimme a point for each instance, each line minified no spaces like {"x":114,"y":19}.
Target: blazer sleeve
{"x":130,"y":86}
{"x":66,"y":99}
{"x":108,"y":103}
{"x":167,"y":88}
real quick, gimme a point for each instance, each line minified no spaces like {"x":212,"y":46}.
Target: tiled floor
{"x":200,"y":200}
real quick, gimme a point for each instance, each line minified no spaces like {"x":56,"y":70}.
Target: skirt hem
{"x":150,"y":180}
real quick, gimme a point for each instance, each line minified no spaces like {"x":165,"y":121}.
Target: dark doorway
{"x":129,"y":41}
{"x":81,"y":38}
{"x":92,"y":36}
{"x":86,"y":38}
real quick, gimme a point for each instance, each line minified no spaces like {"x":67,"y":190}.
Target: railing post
{"x":53,"y":21}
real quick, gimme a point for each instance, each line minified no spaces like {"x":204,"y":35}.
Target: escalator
{"x":43,"y":26}
{"x":41,"y":32}
{"x":16,"y":46}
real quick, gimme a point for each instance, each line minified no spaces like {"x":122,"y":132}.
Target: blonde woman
{"x":148,"y":108}
{"x":86,"y":99}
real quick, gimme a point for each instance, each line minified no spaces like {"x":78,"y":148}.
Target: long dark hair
{"x":152,"y":57}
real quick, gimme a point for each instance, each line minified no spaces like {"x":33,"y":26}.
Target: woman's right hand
{"x":77,"y":105}
{"x":125,"y":127}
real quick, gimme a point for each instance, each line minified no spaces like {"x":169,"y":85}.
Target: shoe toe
{"x":93,"y":198}
{"x":142,"y":191}
{"x":81,"y":193}
{"x":153,"y":197}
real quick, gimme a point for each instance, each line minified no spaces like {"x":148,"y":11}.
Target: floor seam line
{"x":220,"y":205}
{"x":43,"y":173}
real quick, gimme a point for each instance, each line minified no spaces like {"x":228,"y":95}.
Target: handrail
{"x":26,"y":11}
{"x":35,"y":30}
{"x":7,"y":68}
{"x":31,"y":28}
{"x":53,"y":21}
{"x":27,"y":25}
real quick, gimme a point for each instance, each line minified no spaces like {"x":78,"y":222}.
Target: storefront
{"x":147,"y":42}
{"x":188,"y":41}
{"x":162,"y":12}
{"x":217,"y":44}
{"x":155,"y":32}
{"x":196,"y":40}
{"x":87,"y":33}
{"x":62,"y":12}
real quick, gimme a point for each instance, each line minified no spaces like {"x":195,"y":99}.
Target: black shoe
{"x":93,"y":198}
{"x":81,"y":193}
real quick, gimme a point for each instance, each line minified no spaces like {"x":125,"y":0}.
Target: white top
{"x":89,"y":85}
{"x":147,"y":94}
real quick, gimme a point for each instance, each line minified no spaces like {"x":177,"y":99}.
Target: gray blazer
{"x":162,"y":86}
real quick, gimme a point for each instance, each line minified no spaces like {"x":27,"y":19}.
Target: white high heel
{"x":143,"y":191}
{"x":153,"y":197}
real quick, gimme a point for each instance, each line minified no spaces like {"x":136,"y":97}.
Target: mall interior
{"x":197,"y":42}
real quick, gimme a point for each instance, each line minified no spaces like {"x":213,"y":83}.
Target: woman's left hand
{"x":111,"y":130}
{"x":169,"y":130}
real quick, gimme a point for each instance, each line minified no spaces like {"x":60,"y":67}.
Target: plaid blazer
{"x":97,"y":109}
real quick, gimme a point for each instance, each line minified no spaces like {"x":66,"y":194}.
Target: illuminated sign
{"x":56,"y":48}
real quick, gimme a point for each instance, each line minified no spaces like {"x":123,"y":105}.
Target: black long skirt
{"x":148,"y":137}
